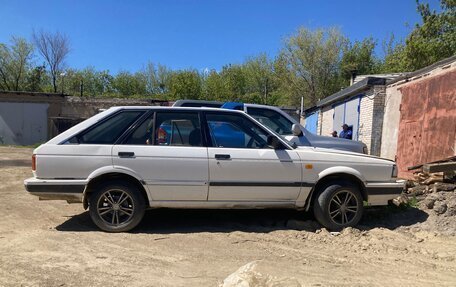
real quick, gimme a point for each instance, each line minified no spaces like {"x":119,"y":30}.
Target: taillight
{"x":34,"y":162}
{"x":162,"y":136}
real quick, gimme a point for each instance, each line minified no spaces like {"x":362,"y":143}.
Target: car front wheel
{"x":338,"y":205}
{"x":117,"y":207}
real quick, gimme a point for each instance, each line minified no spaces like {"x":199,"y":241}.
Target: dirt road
{"x":52,"y":243}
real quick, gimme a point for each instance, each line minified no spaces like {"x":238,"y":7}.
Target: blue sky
{"x":124,"y":35}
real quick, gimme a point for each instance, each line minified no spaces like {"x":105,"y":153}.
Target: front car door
{"x":167,"y":151}
{"x":242,"y":167}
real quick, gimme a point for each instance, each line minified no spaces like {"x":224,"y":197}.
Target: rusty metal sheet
{"x":427,"y":126}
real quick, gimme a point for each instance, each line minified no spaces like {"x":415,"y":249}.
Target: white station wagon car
{"x":127,"y":159}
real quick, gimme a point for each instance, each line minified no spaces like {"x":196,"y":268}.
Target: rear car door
{"x":242,"y":167}
{"x":167,"y":151}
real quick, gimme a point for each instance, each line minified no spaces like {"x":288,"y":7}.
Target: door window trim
{"x":211,"y":144}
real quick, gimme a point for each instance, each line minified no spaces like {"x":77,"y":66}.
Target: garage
{"x":23,"y":123}
{"x":347,"y":113}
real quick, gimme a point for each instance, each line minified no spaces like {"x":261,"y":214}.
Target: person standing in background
{"x":346,"y":133}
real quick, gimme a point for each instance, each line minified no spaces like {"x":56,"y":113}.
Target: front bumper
{"x":51,"y":189}
{"x":379,"y":193}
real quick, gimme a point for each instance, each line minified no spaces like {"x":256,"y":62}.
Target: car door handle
{"x":126,"y":154}
{"x":222,"y":156}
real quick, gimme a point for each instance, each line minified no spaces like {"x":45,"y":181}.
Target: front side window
{"x":235,"y":131}
{"x":272,"y":119}
{"x":109,"y":130}
{"x":177,"y":129}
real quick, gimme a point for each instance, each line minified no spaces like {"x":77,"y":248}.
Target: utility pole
{"x":266,"y":92}
{"x":82,"y":88}
{"x":63,"y":81}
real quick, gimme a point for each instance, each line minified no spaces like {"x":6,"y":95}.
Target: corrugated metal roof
{"x":352,"y":90}
{"x":389,"y":77}
{"x":425,"y":70}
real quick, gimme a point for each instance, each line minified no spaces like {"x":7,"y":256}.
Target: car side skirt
{"x":222,"y":204}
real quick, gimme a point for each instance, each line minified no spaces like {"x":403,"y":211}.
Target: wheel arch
{"x":326,"y":177}
{"x":110,"y":176}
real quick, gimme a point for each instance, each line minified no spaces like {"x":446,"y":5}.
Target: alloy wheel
{"x":115,"y":207}
{"x":343,"y":207}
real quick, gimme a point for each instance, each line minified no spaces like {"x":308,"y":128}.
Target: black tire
{"x":117,"y":206}
{"x":338,"y":205}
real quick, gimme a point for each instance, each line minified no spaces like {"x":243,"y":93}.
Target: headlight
{"x":394,"y":172}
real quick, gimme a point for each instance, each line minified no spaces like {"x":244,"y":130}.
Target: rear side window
{"x":108,"y":131}
{"x":177,"y":129}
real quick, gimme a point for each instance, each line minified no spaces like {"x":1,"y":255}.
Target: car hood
{"x":327,"y":142}
{"x":342,"y":155}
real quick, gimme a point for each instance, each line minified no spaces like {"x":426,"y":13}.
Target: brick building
{"x":360,"y":106}
{"x":409,"y":117}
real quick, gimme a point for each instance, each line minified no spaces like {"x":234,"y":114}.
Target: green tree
{"x":37,"y":79}
{"x":260,"y":79}
{"x":310,"y":64}
{"x":185,"y":85}
{"x":234,"y":82}
{"x":432,"y":40}
{"x":435,"y":38}
{"x":127,"y":84}
{"x":157,"y":78}
{"x":359,"y":57}
{"x":214,"y":87}
{"x":88,"y":82}
{"x":15,"y":62}
{"x":394,"y":60}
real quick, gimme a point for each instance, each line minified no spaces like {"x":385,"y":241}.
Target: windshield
{"x":272,"y":119}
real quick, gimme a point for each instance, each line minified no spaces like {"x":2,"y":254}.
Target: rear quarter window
{"x":107,"y":131}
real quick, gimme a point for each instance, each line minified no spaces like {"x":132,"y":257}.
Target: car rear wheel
{"x":338,"y":205}
{"x":117,"y":207}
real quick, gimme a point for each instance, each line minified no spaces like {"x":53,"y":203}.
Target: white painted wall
{"x":365,"y":120}
{"x":326,"y":127}
{"x":23,"y":123}
{"x":391,"y":119}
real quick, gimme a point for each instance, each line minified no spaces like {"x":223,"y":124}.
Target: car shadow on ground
{"x":167,"y":221}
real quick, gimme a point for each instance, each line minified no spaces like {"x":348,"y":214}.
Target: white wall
{"x":23,"y":123}
{"x":365,"y":120}
{"x":326,"y":127}
{"x":391,"y":119}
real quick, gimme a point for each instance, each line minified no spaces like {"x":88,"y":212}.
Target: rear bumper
{"x":70,"y":190}
{"x":379,"y":193}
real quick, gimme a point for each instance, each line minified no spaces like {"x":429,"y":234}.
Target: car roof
{"x":173,"y":108}
{"x":92,"y":120}
{"x":180,"y":103}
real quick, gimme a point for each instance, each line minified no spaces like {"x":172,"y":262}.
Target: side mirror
{"x":296,"y":129}
{"x":274,"y":142}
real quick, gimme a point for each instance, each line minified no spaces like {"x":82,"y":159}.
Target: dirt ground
{"x":52,"y":243}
